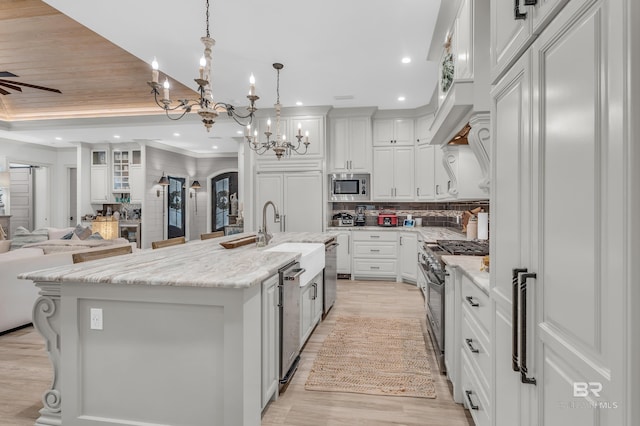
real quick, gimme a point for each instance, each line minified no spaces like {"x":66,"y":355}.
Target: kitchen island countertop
{"x":200,"y":263}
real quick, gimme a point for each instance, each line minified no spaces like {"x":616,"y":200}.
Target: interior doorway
{"x":224,"y":196}
{"x":176,"y":208}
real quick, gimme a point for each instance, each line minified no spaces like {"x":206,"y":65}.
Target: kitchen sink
{"x":311,"y":258}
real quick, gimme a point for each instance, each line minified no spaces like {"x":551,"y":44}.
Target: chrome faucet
{"x":276,"y":219}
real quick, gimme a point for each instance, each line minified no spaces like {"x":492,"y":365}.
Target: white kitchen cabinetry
{"x":425,"y":173}
{"x":422,"y":125}
{"x":343,"y":254}
{"x":298,"y":196}
{"x":350,"y":145}
{"x":310,"y":307}
{"x":564,"y":285}
{"x":99,"y":177}
{"x":120,"y":171}
{"x":394,"y":132}
{"x":514,"y":29}
{"x":408,"y":244}
{"x":375,"y":254}
{"x":136,"y":177}
{"x":270,"y":340}
{"x":441,"y":177}
{"x":393,"y":177}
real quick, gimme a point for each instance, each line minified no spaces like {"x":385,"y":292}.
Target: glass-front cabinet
{"x":121,"y":171}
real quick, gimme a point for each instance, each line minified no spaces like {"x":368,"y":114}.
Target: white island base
{"x":165,"y":355}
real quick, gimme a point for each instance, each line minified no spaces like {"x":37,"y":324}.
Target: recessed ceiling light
{"x":215,"y":147}
{"x":58,"y":138}
{"x":406,"y":60}
{"x":299,"y":103}
{"x":176,"y":134}
{"x":401,"y":98}
{"x":116,"y":136}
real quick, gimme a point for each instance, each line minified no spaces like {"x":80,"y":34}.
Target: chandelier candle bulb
{"x":252,"y":85}
{"x":268,"y":125}
{"x":299,"y":129}
{"x":203,"y":63}
{"x":166,"y":89}
{"x":154,"y":71}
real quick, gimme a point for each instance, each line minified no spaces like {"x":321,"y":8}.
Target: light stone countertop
{"x":429,"y":234}
{"x":200,"y":263}
{"x":470,"y":266}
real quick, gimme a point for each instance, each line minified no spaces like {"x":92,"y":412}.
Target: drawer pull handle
{"x":374,"y":250}
{"x":471,"y":404}
{"x":471,"y":302}
{"x":470,"y":345}
{"x":374,"y":267}
{"x":374,"y":236}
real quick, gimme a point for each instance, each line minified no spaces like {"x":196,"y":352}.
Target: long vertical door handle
{"x":284,"y":223}
{"x":517,"y":15}
{"x":515,"y":363}
{"x":523,"y":329}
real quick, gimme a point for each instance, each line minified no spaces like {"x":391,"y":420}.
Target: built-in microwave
{"x":349,"y":187}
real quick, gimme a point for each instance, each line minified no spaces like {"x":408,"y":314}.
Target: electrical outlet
{"x":96,"y":319}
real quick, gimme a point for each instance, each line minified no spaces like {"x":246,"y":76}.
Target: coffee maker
{"x":360,"y":219}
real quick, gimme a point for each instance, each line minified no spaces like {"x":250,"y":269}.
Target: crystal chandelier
{"x":279,"y":145}
{"x":208,"y":109}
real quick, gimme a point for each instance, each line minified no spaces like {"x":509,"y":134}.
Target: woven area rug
{"x":377,"y":356}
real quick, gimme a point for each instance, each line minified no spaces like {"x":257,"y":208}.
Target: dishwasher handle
{"x":296,"y":273}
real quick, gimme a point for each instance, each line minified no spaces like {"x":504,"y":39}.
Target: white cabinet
{"x":408,"y":244}
{"x":422,"y":126}
{"x":310,"y":307}
{"x":298,"y":196}
{"x":270,"y":340}
{"x":120,"y":171}
{"x":375,"y":254}
{"x":452,"y":306}
{"x":394,"y":132}
{"x":344,"y":253}
{"x":350,"y":145}
{"x":393,"y":177}
{"x":99,"y":177}
{"x":563,"y":283}
{"x":514,"y":29}
{"x":425,"y":173}
{"x":441,"y":178}
{"x":136,"y":177}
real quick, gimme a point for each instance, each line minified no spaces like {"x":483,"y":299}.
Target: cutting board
{"x":238,"y":242}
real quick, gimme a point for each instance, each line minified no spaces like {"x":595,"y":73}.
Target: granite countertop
{"x":429,"y":234}
{"x":470,"y":266}
{"x":200,"y":263}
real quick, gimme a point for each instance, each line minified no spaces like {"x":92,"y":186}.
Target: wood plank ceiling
{"x":44,"y":47}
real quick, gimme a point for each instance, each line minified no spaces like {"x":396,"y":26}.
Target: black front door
{"x":176,"y":209}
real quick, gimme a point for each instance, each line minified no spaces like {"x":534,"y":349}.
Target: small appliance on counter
{"x":387,"y":219}
{"x":361,"y":218}
{"x":343,"y":219}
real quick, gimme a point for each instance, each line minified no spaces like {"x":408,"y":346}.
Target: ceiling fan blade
{"x":10,"y":86}
{"x":3,"y":92}
{"x":33,"y":86}
{"x":7,"y":74}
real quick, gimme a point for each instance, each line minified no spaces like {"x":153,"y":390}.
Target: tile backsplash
{"x":446,"y":214}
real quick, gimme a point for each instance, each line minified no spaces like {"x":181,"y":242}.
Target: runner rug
{"x":377,"y":356}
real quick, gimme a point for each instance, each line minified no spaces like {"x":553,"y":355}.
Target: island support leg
{"x":46,"y":319}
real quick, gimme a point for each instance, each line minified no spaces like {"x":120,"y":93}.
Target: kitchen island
{"x":158,"y":337}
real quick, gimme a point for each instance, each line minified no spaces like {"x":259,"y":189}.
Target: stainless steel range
{"x":433,"y":270}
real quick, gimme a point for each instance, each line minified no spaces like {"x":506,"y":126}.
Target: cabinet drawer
{"x":374,"y":267}
{"x":374,"y":236}
{"x":368,"y":249}
{"x":477,"y":303}
{"x":474,"y":396}
{"x":475,"y":345}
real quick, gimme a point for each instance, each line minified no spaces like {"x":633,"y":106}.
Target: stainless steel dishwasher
{"x":289,"y":306}
{"x":330,"y":275}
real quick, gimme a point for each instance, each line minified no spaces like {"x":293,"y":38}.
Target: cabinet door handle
{"x":401,"y":240}
{"x":517,"y":15}
{"x":471,"y":302}
{"x":471,"y":404}
{"x":284,"y":223}
{"x":348,"y":244}
{"x":523,"y":329}
{"x":280,"y":296}
{"x":418,"y":192}
{"x":515,"y":363}
{"x":374,"y":236}
{"x":437,"y":189}
{"x":470,"y":345}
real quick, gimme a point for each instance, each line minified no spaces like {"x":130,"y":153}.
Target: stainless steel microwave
{"x":349,"y":187}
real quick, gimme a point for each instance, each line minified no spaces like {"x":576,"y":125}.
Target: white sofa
{"x":17,"y":297}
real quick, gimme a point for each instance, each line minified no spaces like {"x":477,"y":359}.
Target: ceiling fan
{"x":15,"y":85}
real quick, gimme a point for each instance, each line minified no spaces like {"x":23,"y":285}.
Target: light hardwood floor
{"x":25,"y":373}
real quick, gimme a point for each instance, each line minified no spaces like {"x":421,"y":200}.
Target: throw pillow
{"x":74,"y":237}
{"x":68,"y":236}
{"x":21,"y":230}
{"x":5,"y":245}
{"x":82,"y":232}
{"x":58,"y":233}
{"x":95,"y":236}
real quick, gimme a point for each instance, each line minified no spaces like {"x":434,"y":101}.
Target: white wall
{"x":57,"y":159}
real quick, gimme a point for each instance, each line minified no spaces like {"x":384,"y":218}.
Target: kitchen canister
{"x":483,"y":226}
{"x":472,"y":228}
{"x":418,"y":221}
